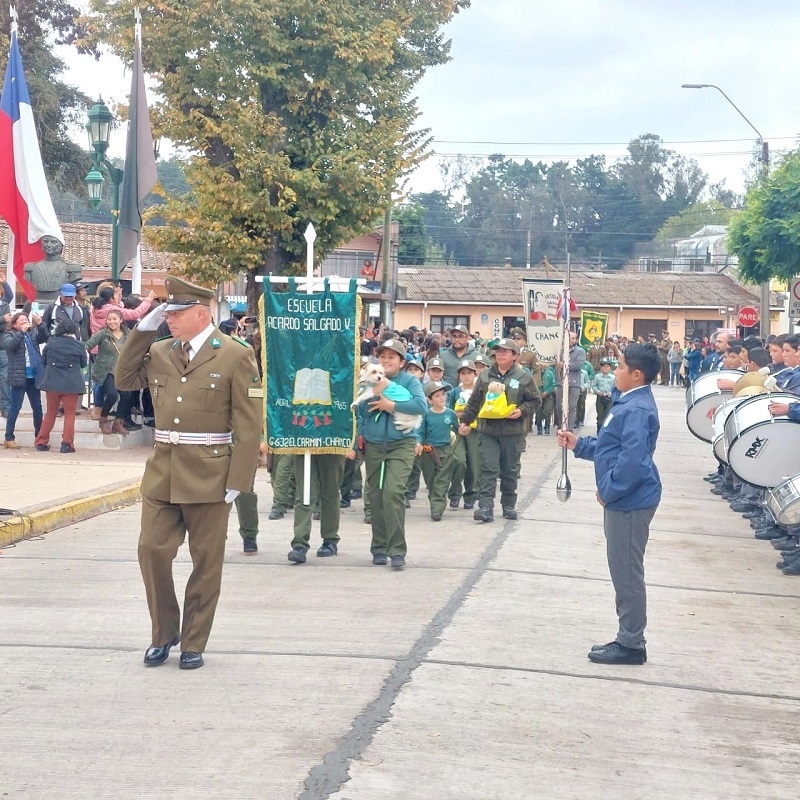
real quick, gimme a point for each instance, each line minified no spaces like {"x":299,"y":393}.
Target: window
{"x":444,"y":324}
{"x":702,"y":327}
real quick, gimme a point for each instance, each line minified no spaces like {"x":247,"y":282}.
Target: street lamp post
{"x":99,"y":129}
{"x":764,"y":158}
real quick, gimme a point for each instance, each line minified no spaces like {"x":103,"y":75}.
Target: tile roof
{"x":495,"y":285}
{"x":89,"y":245}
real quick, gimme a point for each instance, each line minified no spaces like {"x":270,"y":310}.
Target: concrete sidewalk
{"x":463,"y":677}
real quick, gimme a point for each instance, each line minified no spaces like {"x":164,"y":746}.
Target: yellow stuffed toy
{"x":496,"y":406}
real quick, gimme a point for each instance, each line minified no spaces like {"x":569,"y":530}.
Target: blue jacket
{"x":626,"y":475}
{"x":694,"y":358}
{"x":375,"y":427}
{"x":794,"y":411}
{"x":789,"y":380}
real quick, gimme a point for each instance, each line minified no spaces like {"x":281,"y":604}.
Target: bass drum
{"x":721,"y":414}
{"x":783,"y":502}
{"x":702,"y":398}
{"x":762,"y":449}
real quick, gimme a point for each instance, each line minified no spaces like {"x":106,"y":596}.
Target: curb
{"x":42,"y":519}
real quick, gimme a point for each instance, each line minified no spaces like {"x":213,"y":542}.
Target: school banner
{"x":310,"y":353}
{"x":541,"y":297}
{"x":593,"y":326}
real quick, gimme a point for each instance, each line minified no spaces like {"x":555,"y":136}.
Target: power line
{"x":601,"y":144}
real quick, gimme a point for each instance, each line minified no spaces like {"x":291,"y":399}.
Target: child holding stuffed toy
{"x":465,"y":450}
{"x":501,"y":427}
{"x":434,"y":447}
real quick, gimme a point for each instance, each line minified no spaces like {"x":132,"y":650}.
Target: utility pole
{"x":386,"y":265}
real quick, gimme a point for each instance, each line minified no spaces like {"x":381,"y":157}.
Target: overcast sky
{"x":571,"y":78}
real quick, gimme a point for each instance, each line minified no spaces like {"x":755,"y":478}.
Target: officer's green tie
{"x":185,"y":353}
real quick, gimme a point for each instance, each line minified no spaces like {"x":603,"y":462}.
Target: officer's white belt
{"x":177,"y":437}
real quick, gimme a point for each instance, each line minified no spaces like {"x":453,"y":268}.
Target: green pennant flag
{"x":310,"y":350}
{"x":140,"y":175}
{"x":593,"y":326}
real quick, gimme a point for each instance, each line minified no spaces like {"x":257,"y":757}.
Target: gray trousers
{"x":627,"y":533}
{"x":574,"y":396}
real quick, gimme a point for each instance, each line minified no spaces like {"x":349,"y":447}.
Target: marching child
{"x":466,"y":466}
{"x":629,"y":489}
{"x":434,"y":446}
{"x":544,"y":414}
{"x":602,"y":384}
{"x":435,"y":370}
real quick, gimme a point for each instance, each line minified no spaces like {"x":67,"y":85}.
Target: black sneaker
{"x":315,"y":516}
{"x":454,"y":503}
{"x":276,"y":513}
{"x":367,"y":519}
{"x":436,"y":516}
{"x":344,"y":503}
{"x":398,"y":562}
{"x":764,"y":534}
{"x":42,"y":448}
{"x":483,"y":515}
{"x":380,"y":559}
{"x":327,"y":549}
{"x":596,"y":647}
{"x":297,"y":555}
{"x":509,"y":513}
{"x":615,"y":653}
{"x":355,"y":494}
{"x":130,"y":425}
{"x":412,"y":495}
{"x":249,"y":546}
{"x":66,"y":447}
{"x":469,"y":505}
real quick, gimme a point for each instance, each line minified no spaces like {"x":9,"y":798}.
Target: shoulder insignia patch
{"x":215,"y":343}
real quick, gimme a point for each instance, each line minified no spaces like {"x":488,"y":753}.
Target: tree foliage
{"x":695,"y":217}
{"x":766,"y":234}
{"x":586,"y":208}
{"x":295,"y":111}
{"x":57,"y":106}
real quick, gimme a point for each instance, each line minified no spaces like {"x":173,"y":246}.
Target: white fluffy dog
{"x":372,"y":376}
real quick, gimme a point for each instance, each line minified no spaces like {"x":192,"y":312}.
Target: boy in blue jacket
{"x":629,"y":489}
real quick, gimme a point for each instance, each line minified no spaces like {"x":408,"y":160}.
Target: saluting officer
{"x":206,"y":393}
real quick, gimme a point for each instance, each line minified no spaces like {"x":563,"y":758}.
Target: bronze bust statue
{"x":49,"y":275}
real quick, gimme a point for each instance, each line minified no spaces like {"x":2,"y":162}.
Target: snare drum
{"x":702,"y":398}
{"x":783,"y":502}
{"x":718,"y":426}
{"x":762,"y":449}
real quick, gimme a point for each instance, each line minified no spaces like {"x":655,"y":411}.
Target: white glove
{"x":231,"y":495}
{"x":152,"y":319}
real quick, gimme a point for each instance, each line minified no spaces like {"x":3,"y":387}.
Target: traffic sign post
{"x":748,"y":317}
{"x":794,"y":298}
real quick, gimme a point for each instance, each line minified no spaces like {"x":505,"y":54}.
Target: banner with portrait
{"x":593,"y":326}
{"x":540,"y":297}
{"x":310,"y":354}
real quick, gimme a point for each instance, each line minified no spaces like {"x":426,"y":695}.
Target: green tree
{"x":413,"y":244}
{"x":296,"y":111}
{"x":57,"y":106}
{"x":766,"y":234}
{"x":693,"y":218}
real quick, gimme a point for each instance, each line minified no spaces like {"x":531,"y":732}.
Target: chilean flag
{"x":25,"y":202}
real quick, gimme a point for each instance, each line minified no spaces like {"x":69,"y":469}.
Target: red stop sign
{"x":748,"y":317}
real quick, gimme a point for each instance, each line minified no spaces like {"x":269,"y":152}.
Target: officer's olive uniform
{"x":500,"y":441}
{"x":184,"y":485}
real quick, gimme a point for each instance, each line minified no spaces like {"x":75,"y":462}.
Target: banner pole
{"x":310,"y":236}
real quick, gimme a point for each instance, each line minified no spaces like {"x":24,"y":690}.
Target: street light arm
{"x":739,"y":110}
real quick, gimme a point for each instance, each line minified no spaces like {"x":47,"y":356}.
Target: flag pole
{"x":310,"y":236}
{"x":136,"y":267}
{"x":563,"y":486}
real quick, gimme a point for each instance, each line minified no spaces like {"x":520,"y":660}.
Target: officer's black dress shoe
{"x":191,"y":661}
{"x":509,"y":513}
{"x":327,"y":549}
{"x":155,"y":655}
{"x":398,"y":562}
{"x":615,"y":653}
{"x":436,"y":516}
{"x":469,"y":505}
{"x":380,"y":559}
{"x":276,"y":513}
{"x":297,"y":555}
{"x":249,"y":546}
